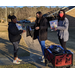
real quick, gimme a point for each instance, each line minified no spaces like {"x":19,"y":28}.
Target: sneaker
{"x":43,"y":60}
{"x":16,"y":62}
{"x":18,"y":59}
{"x":41,"y":57}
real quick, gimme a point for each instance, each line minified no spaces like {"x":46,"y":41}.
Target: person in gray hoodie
{"x":62,"y":29}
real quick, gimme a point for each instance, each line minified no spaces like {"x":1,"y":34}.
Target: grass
{"x":19,"y":66}
{"x":3,"y":27}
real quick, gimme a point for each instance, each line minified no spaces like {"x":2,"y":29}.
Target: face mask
{"x":61,"y":14}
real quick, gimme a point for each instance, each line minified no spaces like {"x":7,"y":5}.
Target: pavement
{"x":35,"y":53}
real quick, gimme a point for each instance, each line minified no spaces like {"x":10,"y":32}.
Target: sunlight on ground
{"x":7,"y":47}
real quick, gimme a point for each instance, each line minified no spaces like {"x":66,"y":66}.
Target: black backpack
{"x":57,"y":50}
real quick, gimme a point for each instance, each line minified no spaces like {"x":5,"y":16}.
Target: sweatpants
{"x":42,"y":43}
{"x":63,"y":44}
{"x":16,"y":46}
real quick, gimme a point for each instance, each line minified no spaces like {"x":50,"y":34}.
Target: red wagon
{"x":59,"y":60}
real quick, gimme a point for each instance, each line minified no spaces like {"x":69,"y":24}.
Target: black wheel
{"x":46,"y":62}
{"x":68,"y":66}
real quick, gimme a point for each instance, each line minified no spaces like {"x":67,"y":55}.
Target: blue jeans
{"x":42,"y":43}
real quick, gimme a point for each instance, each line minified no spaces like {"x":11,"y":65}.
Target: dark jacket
{"x":42,"y":32}
{"x":14,"y":33}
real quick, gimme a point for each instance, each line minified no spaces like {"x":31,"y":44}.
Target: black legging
{"x":63,"y":44}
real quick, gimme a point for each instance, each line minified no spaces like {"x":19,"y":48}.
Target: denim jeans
{"x":42,"y":43}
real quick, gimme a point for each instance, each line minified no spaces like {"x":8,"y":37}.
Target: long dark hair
{"x":40,"y":16}
{"x":63,"y":18}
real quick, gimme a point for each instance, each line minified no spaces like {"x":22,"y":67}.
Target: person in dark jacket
{"x":40,"y":31}
{"x":14,"y":36}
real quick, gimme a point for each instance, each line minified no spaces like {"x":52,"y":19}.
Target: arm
{"x":14,"y":31}
{"x":45,"y":26}
{"x":33,"y":27}
{"x":65,"y":25}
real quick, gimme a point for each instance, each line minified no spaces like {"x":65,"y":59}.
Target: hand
{"x":24,"y":31}
{"x":37,"y":28}
{"x":55,"y":29}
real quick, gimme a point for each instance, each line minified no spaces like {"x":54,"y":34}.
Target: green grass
{"x":19,"y":66}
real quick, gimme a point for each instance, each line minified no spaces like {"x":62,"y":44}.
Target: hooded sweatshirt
{"x":14,"y":33}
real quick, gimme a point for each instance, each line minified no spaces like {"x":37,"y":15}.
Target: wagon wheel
{"x":68,"y":67}
{"x":46,"y":62}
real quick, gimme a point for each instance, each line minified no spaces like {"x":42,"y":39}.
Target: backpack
{"x":56,"y":49}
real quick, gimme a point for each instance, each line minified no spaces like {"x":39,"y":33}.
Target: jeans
{"x":42,"y":43}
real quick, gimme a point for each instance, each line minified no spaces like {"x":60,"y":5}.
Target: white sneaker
{"x":16,"y":62}
{"x":18,"y":59}
{"x":41,"y":57}
{"x":43,"y":60}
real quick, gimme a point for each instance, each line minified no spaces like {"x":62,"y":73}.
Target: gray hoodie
{"x":63,"y":29}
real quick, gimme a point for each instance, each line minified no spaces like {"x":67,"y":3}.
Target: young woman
{"x":14,"y":37}
{"x":40,"y":31}
{"x":62,"y":29}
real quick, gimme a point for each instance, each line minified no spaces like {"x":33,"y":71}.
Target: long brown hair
{"x":40,"y":16}
{"x":63,"y":18}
